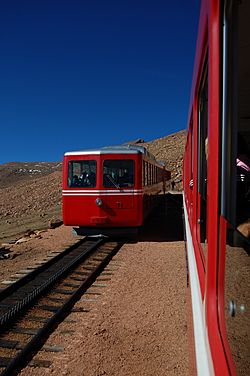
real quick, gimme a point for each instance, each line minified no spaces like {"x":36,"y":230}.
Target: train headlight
{"x":98,"y":202}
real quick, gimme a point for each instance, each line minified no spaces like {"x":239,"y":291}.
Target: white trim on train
{"x":102,"y":190}
{"x":204,"y":362}
{"x":88,"y":192}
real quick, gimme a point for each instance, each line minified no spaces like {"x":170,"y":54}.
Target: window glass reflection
{"x":118,"y":173}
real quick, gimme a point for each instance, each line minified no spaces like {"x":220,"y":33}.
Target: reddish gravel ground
{"x":137,"y":326}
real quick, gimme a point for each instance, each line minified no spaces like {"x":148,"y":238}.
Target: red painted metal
{"x":210,"y":271}
{"x":221,"y":292}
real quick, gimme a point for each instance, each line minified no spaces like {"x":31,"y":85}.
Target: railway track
{"x":32,"y":307}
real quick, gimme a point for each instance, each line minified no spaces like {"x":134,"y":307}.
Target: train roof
{"x":119,"y":149}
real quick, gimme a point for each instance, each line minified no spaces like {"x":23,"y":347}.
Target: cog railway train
{"x":216,"y":185}
{"x":110,"y":191}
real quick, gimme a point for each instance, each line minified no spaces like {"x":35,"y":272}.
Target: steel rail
{"x":22,"y":281}
{"x":35,"y":344}
{"x":24,"y":302}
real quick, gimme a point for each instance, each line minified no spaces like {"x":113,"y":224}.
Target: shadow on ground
{"x":165,"y":223}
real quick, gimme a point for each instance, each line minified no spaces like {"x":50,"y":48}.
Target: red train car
{"x":111,"y":190}
{"x":217,"y":190}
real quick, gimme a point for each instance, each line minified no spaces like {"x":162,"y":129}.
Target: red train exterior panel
{"x":216,"y":190}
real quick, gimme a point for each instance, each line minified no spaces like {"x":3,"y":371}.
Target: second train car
{"x":110,"y":191}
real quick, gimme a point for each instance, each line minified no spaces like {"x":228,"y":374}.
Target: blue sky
{"x":80,"y":74}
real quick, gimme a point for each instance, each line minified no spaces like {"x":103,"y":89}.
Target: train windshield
{"x":118,"y":173}
{"x":82,"y":173}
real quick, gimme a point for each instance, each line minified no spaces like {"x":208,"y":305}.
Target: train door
{"x":235,"y":197}
{"x":202,"y":160}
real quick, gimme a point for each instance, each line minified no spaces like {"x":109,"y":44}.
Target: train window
{"x":118,"y":173}
{"x":143,"y":173}
{"x":148,"y":172}
{"x":189,"y":165}
{"x":192,"y":147}
{"x":160,"y":175}
{"x":82,"y":173}
{"x":202,"y":160}
{"x":235,"y":198}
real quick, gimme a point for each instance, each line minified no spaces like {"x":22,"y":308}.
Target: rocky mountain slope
{"x":30,"y":193}
{"x":15,"y":172}
{"x":170,"y":150}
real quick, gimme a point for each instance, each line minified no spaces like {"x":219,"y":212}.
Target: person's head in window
{"x":75,"y":181}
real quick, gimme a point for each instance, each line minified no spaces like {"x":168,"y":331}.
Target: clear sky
{"x":77,"y":74}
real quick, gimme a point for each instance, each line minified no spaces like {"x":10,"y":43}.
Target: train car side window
{"x":147,"y":173}
{"x":202,"y":160}
{"x":189,"y":167}
{"x":118,"y":173}
{"x":82,"y":173}
{"x":192,"y":147}
{"x":143,"y":173}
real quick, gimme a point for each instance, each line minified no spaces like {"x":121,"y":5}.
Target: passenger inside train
{"x":82,"y":174}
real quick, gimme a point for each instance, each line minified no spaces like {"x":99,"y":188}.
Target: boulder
{"x":55,"y":222}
